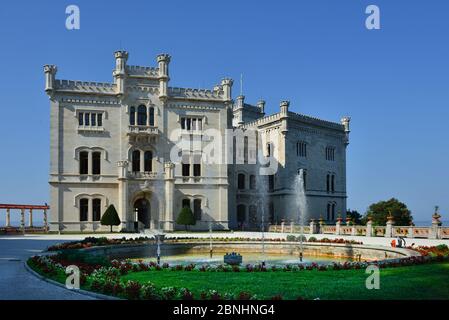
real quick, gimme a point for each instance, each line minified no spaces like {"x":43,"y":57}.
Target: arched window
{"x":245,"y":149}
{"x":96,"y":209}
{"x":328,"y":215}
{"x":142,"y":115}
{"x":136,"y":161}
{"x":269,"y":149}
{"x":241,"y":213}
{"x":252,"y":182}
{"x":96,"y":162}
{"x":333,"y":183}
{"x":241,"y":181}
{"x":333,"y":212}
{"x":197,"y":209}
{"x":327,"y":183}
{"x":186,"y":203}
{"x":151,"y":111}
{"x":84,"y":162}
{"x":132,"y":116}
{"x":148,"y":161}
{"x":271,"y":182}
{"x":271,"y":212}
{"x":84,"y":209}
{"x":252,"y":213}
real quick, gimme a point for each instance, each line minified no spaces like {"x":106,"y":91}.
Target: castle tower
{"x":345,"y":122}
{"x":284,"y":115}
{"x":119,"y":74}
{"x":226,"y":84}
{"x":163,"y":61}
{"x":50,"y":75}
{"x":261,"y":106}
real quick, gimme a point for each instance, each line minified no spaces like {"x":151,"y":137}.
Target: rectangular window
{"x":84,"y":162}
{"x":96,"y":209}
{"x":271,"y":182}
{"x":80,"y":118}
{"x":99,"y":119}
{"x":84,"y":209}
{"x":191,"y":124}
{"x":197,"y":209}
{"x":183,"y":123}
{"x":93,"y":119}
{"x":330,"y":153}
{"x":186,"y":203}
{"x":185,"y":170}
{"x":86,"y":119}
{"x":96,"y":162}
{"x":197,"y":170}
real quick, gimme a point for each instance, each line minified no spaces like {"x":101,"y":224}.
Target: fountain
{"x":210,"y":240}
{"x":301,"y":203}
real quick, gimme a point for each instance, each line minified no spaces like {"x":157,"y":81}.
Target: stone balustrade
{"x":435,"y":231}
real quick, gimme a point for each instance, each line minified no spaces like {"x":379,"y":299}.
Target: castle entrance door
{"x":143,"y":209}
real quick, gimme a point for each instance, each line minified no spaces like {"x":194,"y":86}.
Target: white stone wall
{"x":165,"y":188}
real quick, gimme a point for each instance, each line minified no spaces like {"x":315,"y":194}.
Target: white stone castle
{"x":112,"y":143}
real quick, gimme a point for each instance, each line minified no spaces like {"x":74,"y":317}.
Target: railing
{"x":145,"y":130}
{"x":433,"y":232}
{"x":144,"y":175}
{"x":444,"y":233}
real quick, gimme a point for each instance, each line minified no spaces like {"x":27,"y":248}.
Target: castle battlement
{"x":315,"y":121}
{"x":190,"y":93}
{"x":141,"y":71}
{"x":85,"y":86}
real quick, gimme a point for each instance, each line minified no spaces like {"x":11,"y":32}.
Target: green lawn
{"x":430,"y":281}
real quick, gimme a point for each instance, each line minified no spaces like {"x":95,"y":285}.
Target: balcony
{"x":144,"y":131}
{"x":144,"y":175}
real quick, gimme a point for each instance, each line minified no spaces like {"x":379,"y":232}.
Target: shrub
{"x":313,"y":239}
{"x":132,"y":290}
{"x":110,"y":217}
{"x":149,"y":292}
{"x":186,"y":217}
{"x":168,"y":293}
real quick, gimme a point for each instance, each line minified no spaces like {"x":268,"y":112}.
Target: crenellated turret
{"x":284,"y":115}
{"x":119,"y":74}
{"x":345,"y":122}
{"x":163,"y":61}
{"x":226,"y":84}
{"x":50,"y":75}
{"x":261,"y":106}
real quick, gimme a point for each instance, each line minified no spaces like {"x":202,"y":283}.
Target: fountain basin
{"x":275,"y":253}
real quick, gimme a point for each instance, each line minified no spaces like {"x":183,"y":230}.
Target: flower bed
{"x":101,"y":275}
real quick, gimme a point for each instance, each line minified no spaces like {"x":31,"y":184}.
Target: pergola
{"x":22,"y":208}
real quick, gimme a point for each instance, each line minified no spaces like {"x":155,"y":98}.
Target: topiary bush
{"x":186,"y":217}
{"x":110,"y":217}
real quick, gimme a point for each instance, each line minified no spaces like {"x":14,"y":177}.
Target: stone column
{"x":389,"y":227}
{"x":312,"y":227}
{"x":282,"y":225}
{"x":45,"y":221}
{"x":30,"y":222}
{"x":22,"y":220}
{"x":8,"y":218}
{"x":127,"y":223}
{"x":433,"y":234}
{"x":369,"y":228}
{"x":169,"y":195}
{"x":292,"y":224}
{"x":338,"y":226}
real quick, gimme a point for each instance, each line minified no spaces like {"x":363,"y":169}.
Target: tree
{"x":110,"y":217}
{"x":355,"y":216}
{"x":186,"y":217}
{"x":379,"y":212}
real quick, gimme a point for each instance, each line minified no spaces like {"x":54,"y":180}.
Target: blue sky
{"x":393,"y":82}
